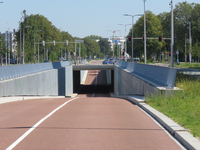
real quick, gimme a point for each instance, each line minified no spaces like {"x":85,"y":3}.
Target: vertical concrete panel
{"x":116,"y":76}
{"x":61,"y":82}
{"x":68,"y":81}
{"x":1,"y":89}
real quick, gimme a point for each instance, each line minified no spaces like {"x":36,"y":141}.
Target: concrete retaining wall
{"x":125,"y":83}
{"x":53,"y":82}
{"x":108,"y":76}
{"x":68,"y":81}
{"x":83,"y":75}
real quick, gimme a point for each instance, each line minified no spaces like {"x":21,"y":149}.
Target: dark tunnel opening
{"x":96,"y":85}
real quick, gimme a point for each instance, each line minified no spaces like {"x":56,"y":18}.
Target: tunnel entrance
{"x":96,"y":84}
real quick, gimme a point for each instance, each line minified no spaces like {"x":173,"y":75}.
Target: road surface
{"x":90,"y":121}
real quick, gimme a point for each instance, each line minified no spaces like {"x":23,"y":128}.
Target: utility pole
{"x":172,"y":35}
{"x":145,"y":39}
{"x":190,"y":42}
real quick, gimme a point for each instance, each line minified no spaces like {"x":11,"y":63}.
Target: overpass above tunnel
{"x":93,"y":67}
{"x":79,"y":72}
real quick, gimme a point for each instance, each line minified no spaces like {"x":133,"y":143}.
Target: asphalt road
{"x":90,"y":121}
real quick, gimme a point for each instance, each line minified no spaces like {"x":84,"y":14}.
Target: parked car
{"x":46,"y":61}
{"x":136,"y":60}
{"x":111,"y":61}
{"x":13,"y":61}
{"x":105,"y":61}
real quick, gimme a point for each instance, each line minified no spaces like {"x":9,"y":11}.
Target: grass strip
{"x":182,"y":107}
{"x":188,"y":65}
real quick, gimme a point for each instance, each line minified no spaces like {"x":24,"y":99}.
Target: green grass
{"x":188,"y":65}
{"x":183,"y":107}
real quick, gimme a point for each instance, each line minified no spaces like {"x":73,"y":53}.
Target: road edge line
{"x":37,"y":124}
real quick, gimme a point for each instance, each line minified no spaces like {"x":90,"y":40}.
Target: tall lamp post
{"x":23,"y":40}
{"x":172,"y":34}
{"x":132,"y":28}
{"x":125,"y":39}
{"x":34,"y":43}
{"x":145,"y":53}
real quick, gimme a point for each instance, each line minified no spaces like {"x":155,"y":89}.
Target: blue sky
{"x":82,"y":17}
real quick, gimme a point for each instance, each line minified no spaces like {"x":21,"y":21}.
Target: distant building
{"x":10,"y":43}
{"x":117,"y":40}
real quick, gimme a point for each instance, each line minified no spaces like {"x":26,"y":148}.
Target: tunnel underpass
{"x":95,"y":85}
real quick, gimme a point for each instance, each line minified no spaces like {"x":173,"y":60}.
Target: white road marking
{"x":37,"y":124}
{"x":95,"y":84}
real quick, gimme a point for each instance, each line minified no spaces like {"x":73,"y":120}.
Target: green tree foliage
{"x":94,"y":37}
{"x":92,"y":47}
{"x":33,"y":33}
{"x":196,"y":50}
{"x":2,"y":45}
{"x":154,"y":29}
{"x":184,"y":13}
{"x":104,"y":47}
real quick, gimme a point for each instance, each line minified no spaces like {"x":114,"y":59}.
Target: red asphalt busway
{"x":88,"y":121}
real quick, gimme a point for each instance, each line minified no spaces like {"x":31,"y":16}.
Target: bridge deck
{"x":93,"y":67}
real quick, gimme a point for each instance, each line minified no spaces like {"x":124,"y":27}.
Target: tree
{"x":48,"y":34}
{"x":94,"y":37}
{"x":104,"y":47}
{"x":154,"y":29}
{"x":2,"y":47}
{"x":165,"y":19}
{"x":196,"y":50}
{"x":92,"y":47}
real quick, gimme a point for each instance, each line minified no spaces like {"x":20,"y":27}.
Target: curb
{"x":178,"y":132}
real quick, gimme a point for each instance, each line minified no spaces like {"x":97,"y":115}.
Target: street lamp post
{"x":125,"y":39}
{"x":145,"y":54}
{"x":132,"y":29}
{"x":172,"y":34}
{"x":34,"y":43}
{"x":23,"y":41}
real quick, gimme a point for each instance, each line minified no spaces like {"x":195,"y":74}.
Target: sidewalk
{"x":20,"y":98}
{"x":178,"y":132}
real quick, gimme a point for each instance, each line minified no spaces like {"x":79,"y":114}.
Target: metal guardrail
{"x":9,"y":72}
{"x":161,"y":76}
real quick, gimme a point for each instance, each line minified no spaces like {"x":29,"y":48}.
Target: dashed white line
{"x":37,"y":124}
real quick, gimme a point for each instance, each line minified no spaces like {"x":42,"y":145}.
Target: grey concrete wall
{"x":108,"y":76}
{"x":83,"y":75}
{"x":55,"y":82}
{"x":126,"y":83}
{"x":68,"y":81}
{"x":44,"y":83}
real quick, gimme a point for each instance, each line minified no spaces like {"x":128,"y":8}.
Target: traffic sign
{"x":79,"y":41}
